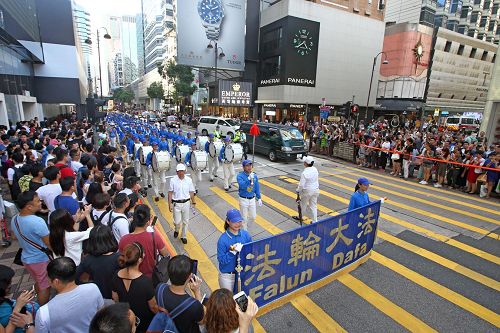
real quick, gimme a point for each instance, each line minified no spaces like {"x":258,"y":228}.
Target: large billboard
{"x":289,"y":52}
{"x":204,"y":22}
{"x":235,"y":93}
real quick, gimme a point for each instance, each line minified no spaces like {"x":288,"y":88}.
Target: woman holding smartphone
{"x":228,"y":246}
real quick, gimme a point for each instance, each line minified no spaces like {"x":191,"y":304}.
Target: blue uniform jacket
{"x":187,"y":159}
{"x":245,"y":189}
{"x":358,"y":199}
{"x":163,"y":146}
{"x":149,"y":159}
{"x":222,"y":154}
{"x":227,"y":260}
{"x":207,"y":144}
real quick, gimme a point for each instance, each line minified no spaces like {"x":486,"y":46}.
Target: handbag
{"x":17,"y":258}
{"x":395,"y":156}
{"x":160,"y":270}
{"x":482,"y":178}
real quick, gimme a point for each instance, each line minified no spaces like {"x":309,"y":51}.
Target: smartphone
{"x":155,"y":219}
{"x":23,"y":310}
{"x":82,"y":206}
{"x":195,"y":267}
{"x":242,"y":300}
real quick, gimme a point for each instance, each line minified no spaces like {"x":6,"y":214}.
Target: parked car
{"x":172,"y":121}
{"x":227,"y":126}
{"x":276,"y":141}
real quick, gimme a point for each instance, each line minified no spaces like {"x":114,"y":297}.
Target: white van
{"x":458,"y":123}
{"x":227,"y":126}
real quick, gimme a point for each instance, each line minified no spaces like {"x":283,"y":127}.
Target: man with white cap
{"x":309,"y":189}
{"x":180,"y":198}
{"x":213,"y":162}
{"x":195,"y":174}
{"x":227,"y":166}
{"x":248,"y":190}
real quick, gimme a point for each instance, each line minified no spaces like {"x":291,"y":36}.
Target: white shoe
{"x":438,"y":185}
{"x":423,"y":182}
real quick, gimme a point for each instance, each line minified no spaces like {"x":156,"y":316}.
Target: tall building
{"x":139,"y":31}
{"x":83,"y":31}
{"x":475,"y":18}
{"x":41,"y":68}
{"x":154,"y":47}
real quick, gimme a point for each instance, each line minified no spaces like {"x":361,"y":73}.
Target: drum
{"x":199,"y":160}
{"x":214,"y":148}
{"x":160,"y":161}
{"x":234,"y":152}
{"x":136,"y":148}
{"x":180,"y":152}
{"x":143,"y":153}
{"x":200,"y":142}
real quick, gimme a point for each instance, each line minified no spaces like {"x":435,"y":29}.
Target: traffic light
{"x":354,"y":108}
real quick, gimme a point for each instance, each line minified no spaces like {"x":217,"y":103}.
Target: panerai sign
{"x":235,"y":93}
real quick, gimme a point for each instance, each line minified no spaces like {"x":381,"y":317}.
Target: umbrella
{"x":254,"y":131}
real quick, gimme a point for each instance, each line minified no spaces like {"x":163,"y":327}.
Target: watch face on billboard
{"x":235,"y":93}
{"x":210,"y":31}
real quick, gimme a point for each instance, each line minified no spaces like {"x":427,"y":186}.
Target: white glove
{"x":234,"y":252}
{"x":259,"y":202}
{"x":382,"y":200}
{"x":237,"y":247}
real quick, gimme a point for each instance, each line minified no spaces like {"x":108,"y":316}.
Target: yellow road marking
{"x":398,"y":314}
{"x":320,"y":321}
{"x":427,"y":202}
{"x":448,"y":294}
{"x":259,"y":220}
{"x":487,"y":281}
{"x":206,"y":268}
{"x":446,"y":193}
{"x":462,"y":225}
{"x":462,"y":246}
{"x":428,"y":194}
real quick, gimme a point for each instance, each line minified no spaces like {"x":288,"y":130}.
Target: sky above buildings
{"x":101,"y":9}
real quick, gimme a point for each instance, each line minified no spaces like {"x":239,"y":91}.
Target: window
{"x":381,"y":4}
{"x":452,"y":96}
{"x":169,"y":12}
{"x":465,"y":12}
{"x":447,"y":47}
{"x":271,"y":67}
{"x":473,"y":17}
{"x":460,"y":50}
{"x":427,"y":16}
{"x":483,"y":22}
{"x":439,"y":96}
{"x":494,"y":58}
{"x":461,"y":29}
{"x":491,"y":26}
{"x":494,"y":9}
{"x":271,"y":40}
{"x":484,"y":56}
{"x":473,"y":53}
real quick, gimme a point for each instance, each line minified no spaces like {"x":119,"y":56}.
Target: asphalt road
{"x":435,"y":265}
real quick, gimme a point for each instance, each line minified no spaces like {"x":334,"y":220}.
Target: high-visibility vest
{"x":216,"y":134}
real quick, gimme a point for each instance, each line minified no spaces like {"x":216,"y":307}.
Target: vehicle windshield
{"x":468,"y":121}
{"x":232,"y":122}
{"x":290,"y":134}
{"x":453,"y":120}
{"x":171,"y":118}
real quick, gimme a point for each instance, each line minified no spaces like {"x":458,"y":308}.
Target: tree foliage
{"x":123,"y":95}
{"x":155,"y":90}
{"x":181,"y":77}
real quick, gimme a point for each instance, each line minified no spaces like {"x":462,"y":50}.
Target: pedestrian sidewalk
{"x":21,"y":280}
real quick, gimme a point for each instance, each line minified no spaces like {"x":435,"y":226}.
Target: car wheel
{"x":204,"y":132}
{"x":272,"y":156}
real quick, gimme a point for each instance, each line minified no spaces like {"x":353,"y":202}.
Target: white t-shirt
{"x":75,"y":165}
{"x":309,"y":179}
{"x":48,"y":193}
{"x":120,"y":227}
{"x":127,"y":191}
{"x":181,"y":188}
{"x":73,"y":244}
{"x":11,"y":171}
{"x":98,"y":213}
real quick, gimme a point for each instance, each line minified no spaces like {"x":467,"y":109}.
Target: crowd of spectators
{"x":86,"y":237}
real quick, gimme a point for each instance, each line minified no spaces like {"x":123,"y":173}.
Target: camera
{"x":242,"y":300}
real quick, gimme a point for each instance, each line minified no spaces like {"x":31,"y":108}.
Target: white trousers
{"x":309,"y":203}
{"x":248,"y":211}
{"x":181,"y":216}
{"x":213,"y":166}
{"x":195,"y":177}
{"x":406,"y":168}
{"x":228,"y":169}
{"x":137,"y":168}
{"x":226,"y":281}
{"x":145,"y":176}
{"x":157,"y":181}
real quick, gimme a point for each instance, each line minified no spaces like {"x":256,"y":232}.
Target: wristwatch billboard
{"x":211,"y":13}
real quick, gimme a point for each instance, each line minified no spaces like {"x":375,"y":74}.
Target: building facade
{"x":491,"y":119}
{"x":41,"y":60}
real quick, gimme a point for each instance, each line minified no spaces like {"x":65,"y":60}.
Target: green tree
{"x":180,"y":77}
{"x":155,"y":90}
{"x":123,"y":95}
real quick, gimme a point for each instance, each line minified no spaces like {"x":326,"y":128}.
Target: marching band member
{"x":195,"y":174}
{"x":248,"y":190}
{"x":228,"y":246}
{"x":137,"y":162}
{"x":163,"y":145}
{"x":308,"y":189}
{"x":188,"y":140}
{"x":227,"y":166}
{"x":146,"y":181}
{"x":157,"y":177}
{"x":181,"y":192}
{"x":112,"y":135}
{"x":213,"y":162}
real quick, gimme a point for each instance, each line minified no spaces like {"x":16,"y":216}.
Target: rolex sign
{"x":235,"y":93}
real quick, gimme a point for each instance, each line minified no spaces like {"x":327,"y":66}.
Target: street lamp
{"x":89,"y":42}
{"x":385,"y":62}
{"x":217,"y":55}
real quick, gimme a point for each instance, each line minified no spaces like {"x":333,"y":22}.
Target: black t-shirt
{"x":186,"y":322}
{"x":140,"y":292}
{"x":100,"y":268}
{"x":34,"y":185}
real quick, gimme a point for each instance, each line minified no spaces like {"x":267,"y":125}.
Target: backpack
{"x":16,"y":189}
{"x":98,"y":221}
{"x":163,"y":321}
{"x":24,"y":182}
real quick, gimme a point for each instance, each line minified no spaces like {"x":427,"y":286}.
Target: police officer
{"x":180,"y":198}
{"x":217,"y":132}
{"x":228,"y":246}
{"x":213,"y":162}
{"x":241,"y":138}
{"x":195,"y":174}
{"x":157,"y":177}
{"x":249,"y":191}
{"x":227,"y":166}
{"x":308,"y":189}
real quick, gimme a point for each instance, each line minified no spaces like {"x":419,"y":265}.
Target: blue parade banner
{"x":279,"y":265}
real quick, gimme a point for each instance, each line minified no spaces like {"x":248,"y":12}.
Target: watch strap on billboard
{"x":212,"y":32}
